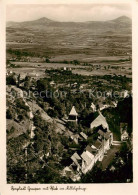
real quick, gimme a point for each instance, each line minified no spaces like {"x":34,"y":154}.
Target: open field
{"x":86,"y":42}
{"x":118,"y":68}
{"x":105,"y":44}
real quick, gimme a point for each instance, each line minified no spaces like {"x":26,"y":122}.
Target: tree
{"x":47,"y":60}
{"x":10,"y":113}
{"x":11,"y":80}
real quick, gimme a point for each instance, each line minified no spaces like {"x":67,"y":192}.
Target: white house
{"x":77,"y":160}
{"x":87,"y":161}
{"x":93,"y":107}
{"x":124,"y":136}
{"x":123,"y":131}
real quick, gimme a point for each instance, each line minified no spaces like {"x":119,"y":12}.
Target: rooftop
{"x":73,"y":111}
{"x":84,"y":135}
{"x":97,"y":144}
{"x":92,"y":150}
{"x":99,"y":120}
{"x":106,"y":135}
{"x":86,"y":158}
{"x":75,"y":158}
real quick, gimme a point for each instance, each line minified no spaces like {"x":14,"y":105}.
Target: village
{"x":96,"y":150}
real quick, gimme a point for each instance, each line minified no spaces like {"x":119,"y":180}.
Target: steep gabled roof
{"x":100,"y":132}
{"x":100,"y":120}
{"x":67,"y":169}
{"x":93,"y":105}
{"x":90,"y":155}
{"x":75,"y":136}
{"x":73,"y":111}
{"x":106,"y":135}
{"x":75,"y":157}
{"x":84,"y":135}
{"x":88,"y":148}
{"x":97,"y":144}
{"x":86,"y":158}
{"x":123,"y":127}
{"x":91,"y":150}
{"x":125,"y":133}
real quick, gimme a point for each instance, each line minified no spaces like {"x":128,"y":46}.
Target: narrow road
{"x":109,"y":156}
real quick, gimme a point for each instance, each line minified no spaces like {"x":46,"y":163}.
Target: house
{"x":69,"y":171}
{"x":125,"y":93}
{"x":115,"y":103}
{"x":81,"y":87}
{"x":73,"y":115}
{"x":75,"y":176}
{"x":100,"y":150}
{"x":74,"y":85}
{"x":52,"y":83}
{"x":77,"y":160}
{"x":124,"y":136}
{"x":75,"y":138}
{"x":22,"y":76}
{"x":100,"y":120}
{"x":123,"y":131}
{"x":33,"y":74}
{"x":103,"y":106}
{"x":87,"y":161}
{"x":123,"y":127}
{"x":107,"y":138}
{"x":83,"y":135}
{"x":93,"y":107}
{"x":112,"y":168}
{"x":9,"y":72}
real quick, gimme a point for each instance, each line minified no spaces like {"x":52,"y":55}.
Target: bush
{"x":52,"y":113}
{"x":20,"y":103}
{"x":10,"y":113}
{"x":47,"y":60}
{"x":10,"y":80}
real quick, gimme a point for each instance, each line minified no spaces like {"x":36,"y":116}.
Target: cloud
{"x":85,"y":12}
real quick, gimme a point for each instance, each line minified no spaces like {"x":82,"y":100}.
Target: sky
{"x":65,"y":13}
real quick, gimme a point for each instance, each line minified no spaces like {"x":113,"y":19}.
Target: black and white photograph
{"x":69,"y":104}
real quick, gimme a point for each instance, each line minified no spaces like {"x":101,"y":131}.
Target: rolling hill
{"x":119,"y":24}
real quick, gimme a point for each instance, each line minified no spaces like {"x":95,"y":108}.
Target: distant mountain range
{"x":121,"y":25}
{"x":122,"y":21}
{"x":54,"y":38}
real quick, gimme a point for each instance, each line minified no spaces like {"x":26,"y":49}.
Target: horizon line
{"x":69,"y":21}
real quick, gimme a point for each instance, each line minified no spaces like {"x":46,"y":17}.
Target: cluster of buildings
{"x":82,"y":162}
